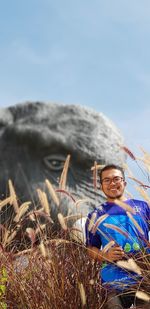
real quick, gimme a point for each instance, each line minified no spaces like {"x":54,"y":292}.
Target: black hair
{"x":109,"y":167}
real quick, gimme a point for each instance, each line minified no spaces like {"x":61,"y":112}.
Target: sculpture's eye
{"x":55,"y":162}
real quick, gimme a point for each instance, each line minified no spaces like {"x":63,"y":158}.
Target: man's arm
{"x":93,"y":243}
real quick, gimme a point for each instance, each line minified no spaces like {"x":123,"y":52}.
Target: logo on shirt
{"x":137,"y":209}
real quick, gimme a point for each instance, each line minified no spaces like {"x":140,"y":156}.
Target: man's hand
{"x":113,"y":254}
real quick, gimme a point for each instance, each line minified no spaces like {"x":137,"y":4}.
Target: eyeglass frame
{"x":110,"y":180}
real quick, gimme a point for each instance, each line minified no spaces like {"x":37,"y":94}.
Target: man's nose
{"x":112,"y":181}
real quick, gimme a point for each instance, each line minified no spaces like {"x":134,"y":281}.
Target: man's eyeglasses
{"x":116,"y":179}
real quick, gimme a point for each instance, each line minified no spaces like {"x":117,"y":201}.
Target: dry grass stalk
{"x":52,"y":192}
{"x":116,"y":228}
{"x":137,"y":181}
{"x":99,"y":221}
{"x":43,"y":249}
{"x":147,"y":164}
{"x":77,"y":235}
{"x":35,"y":214}
{"x":128,"y":194}
{"x":24,"y":252}
{"x":129,"y":152}
{"x":131,"y":265}
{"x":106,"y":236}
{"x":57,"y":241}
{"x":143,"y":194}
{"x":32,"y":215}
{"x":40,"y":228}
{"x":145,"y":159}
{"x":63,"y":177}
{"x":62,"y":221}
{"x":98,"y":167}
{"x":143,"y":295}
{"x":108,"y":246}
{"x":125,"y":206}
{"x":125,"y":166}
{"x":30,"y":231}
{"x":9,"y":237}
{"x":6,"y":234}
{"x":5,"y":202}
{"x":81,"y":201}
{"x":13,"y":196}
{"x":92,"y":221}
{"x":22,"y":210}
{"x":67,"y":194}
{"x":82,"y":294}
{"x":74,"y":217}
{"x":44,"y":201}
{"x":31,"y":234}
{"x":143,"y":150}
{"x":135,"y":223}
{"x":134,"y":266}
{"x":91,"y":282}
{"x":95,"y":176}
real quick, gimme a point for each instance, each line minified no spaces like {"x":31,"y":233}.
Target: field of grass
{"x":44,"y":268}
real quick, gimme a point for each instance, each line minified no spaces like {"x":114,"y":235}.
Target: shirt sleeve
{"x":148,"y":215}
{"x":92,"y":239}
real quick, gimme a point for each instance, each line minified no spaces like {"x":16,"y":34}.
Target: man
{"x":114,"y":234}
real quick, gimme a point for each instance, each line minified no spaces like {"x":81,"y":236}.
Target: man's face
{"x":113,"y":184}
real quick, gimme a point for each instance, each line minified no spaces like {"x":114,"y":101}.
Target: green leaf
{"x":2,"y":288}
{"x":3,"y":305}
{"x":4,"y":272}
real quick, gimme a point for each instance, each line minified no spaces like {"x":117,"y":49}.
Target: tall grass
{"x":41,"y":267}
{"x":58,"y":275}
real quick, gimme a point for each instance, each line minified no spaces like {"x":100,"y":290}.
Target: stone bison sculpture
{"x":35,"y":139}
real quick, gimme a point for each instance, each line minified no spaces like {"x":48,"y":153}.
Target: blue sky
{"x":94,"y":53}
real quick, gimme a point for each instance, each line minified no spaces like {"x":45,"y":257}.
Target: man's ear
{"x":125,"y":183}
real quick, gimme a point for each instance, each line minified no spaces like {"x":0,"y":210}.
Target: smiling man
{"x":113,"y":183}
{"x":111,"y":236}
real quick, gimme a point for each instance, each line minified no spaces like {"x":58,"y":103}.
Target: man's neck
{"x":112,"y":200}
